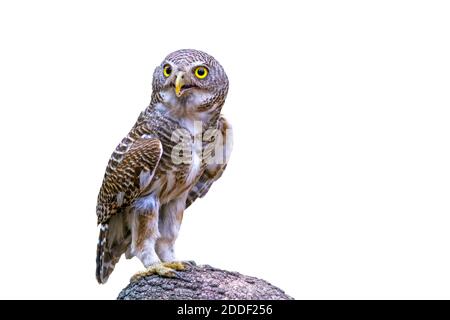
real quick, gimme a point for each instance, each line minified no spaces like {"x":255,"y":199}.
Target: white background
{"x":339,"y":183}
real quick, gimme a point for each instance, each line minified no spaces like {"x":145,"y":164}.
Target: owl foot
{"x":163,"y":269}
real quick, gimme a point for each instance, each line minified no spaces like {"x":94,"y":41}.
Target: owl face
{"x":191,"y":79}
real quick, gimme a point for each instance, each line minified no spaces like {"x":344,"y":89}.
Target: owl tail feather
{"x":105,"y":258}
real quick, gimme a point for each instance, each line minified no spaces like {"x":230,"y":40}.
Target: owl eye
{"x":201,"y":72}
{"x":167,"y":70}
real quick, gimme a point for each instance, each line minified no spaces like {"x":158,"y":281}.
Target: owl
{"x":178,"y":147}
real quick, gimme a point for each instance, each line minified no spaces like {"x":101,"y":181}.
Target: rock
{"x":202,"y":283}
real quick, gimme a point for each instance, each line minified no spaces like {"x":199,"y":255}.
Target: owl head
{"x":190,"y":79}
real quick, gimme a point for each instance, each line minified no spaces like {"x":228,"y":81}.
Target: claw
{"x":166,"y":269}
{"x":190,"y":263}
{"x":175,"y":274}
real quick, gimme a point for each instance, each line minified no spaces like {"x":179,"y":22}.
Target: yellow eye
{"x":201,"y":72}
{"x":167,"y":70}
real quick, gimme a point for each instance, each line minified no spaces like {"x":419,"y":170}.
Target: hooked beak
{"x":179,"y":83}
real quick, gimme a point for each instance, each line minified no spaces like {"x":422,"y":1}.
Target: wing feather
{"x":127,"y":176}
{"x":129,"y":171}
{"x":213,"y":171}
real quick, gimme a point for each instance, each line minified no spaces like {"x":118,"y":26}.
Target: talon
{"x":174,"y":274}
{"x":166,"y":269}
{"x":175,"y":265}
{"x":190,"y":263}
{"x":137,"y":276}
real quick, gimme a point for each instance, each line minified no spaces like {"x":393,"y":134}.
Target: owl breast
{"x":173,"y":180}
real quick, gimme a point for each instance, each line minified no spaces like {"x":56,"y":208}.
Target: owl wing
{"x":127,"y":174}
{"x":129,"y":171}
{"x":213,"y":171}
{"x":211,"y":174}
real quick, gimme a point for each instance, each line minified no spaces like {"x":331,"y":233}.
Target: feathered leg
{"x":144,"y":233}
{"x":170,"y":218}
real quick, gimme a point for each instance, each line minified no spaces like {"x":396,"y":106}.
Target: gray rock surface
{"x":200,"y":283}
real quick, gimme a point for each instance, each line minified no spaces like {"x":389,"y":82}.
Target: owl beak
{"x":179,"y":83}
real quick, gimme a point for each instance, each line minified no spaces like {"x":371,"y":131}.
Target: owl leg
{"x":144,"y":230}
{"x":147,"y":231}
{"x":170,"y":218}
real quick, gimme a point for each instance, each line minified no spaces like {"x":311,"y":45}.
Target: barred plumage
{"x":146,"y":187}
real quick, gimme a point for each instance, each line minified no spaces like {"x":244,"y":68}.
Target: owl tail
{"x":105,"y":258}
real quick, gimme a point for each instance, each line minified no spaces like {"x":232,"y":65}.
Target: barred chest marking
{"x":172,"y":180}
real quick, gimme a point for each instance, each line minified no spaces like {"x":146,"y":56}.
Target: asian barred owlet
{"x":177,"y":148}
